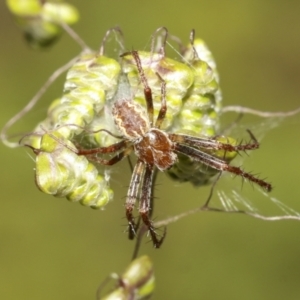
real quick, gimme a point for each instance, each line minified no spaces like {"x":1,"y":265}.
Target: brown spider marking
{"x":156,"y":148}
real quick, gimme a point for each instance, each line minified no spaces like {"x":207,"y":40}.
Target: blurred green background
{"x":52,"y":249}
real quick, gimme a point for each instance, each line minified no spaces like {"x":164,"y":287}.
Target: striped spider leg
{"x":157,"y":149}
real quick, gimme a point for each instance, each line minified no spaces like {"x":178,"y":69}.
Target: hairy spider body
{"x":156,"y":148}
{"x":151,"y":145}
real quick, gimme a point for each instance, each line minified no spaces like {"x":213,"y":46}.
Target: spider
{"x":157,"y":149}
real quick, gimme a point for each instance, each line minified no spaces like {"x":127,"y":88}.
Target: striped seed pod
{"x":137,"y":282}
{"x":105,"y":120}
{"x":40,"y":20}
{"x":178,"y":77}
{"x":185,"y":169}
{"x":202,"y":103}
{"x":200,"y":113}
{"x":61,"y":172}
{"x":90,"y":82}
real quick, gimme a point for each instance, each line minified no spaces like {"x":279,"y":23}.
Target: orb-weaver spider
{"x":158,"y":149}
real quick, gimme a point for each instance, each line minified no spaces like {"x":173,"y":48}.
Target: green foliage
{"x":41,"y":20}
{"x":194,"y":114}
{"x":62,"y":173}
{"x":137,"y":282}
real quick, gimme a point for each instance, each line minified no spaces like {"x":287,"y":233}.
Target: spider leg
{"x":132,"y":196}
{"x":112,"y":161}
{"x":145,"y":205}
{"x":219,"y":164}
{"x":163,"y":108}
{"x":112,"y":148}
{"x":147,"y":89}
{"x":205,"y":143}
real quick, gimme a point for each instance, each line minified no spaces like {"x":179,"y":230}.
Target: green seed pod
{"x":199,"y":115}
{"x":90,"y":83}
{"x":203,"y":54}
{"x":137,"y":282}
{"x":25,"y":8}
{"x":200,"y":111}
{"x":178,"y":78}
{"x":105,"y":119}
{"x":40,"y":20}
{"x":197,"y":173}
{"x":62,"y":173}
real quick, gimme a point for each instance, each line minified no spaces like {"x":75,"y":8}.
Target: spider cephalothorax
{"x":151,"y":145}
{"x":157,"y":148}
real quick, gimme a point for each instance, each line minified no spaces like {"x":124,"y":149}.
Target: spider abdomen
{"x":130,"y":118}
{"x":155,"y":148}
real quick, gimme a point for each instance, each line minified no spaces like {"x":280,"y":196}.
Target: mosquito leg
{"x":145,"y":206}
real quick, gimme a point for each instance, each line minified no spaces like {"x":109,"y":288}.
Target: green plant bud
{"x":103,"y":120}
{"x":41,"y":20}
{"x":199,"y":115}
{"x":226,"y":155}
{"x":137,"y":282}
{"x":60,"y":12}
{"x":90,"y":83}
{"x":203,"y":54}
{"x":178,"y":78}
{"x":24,"y":8}
{"x":62,"y":173}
